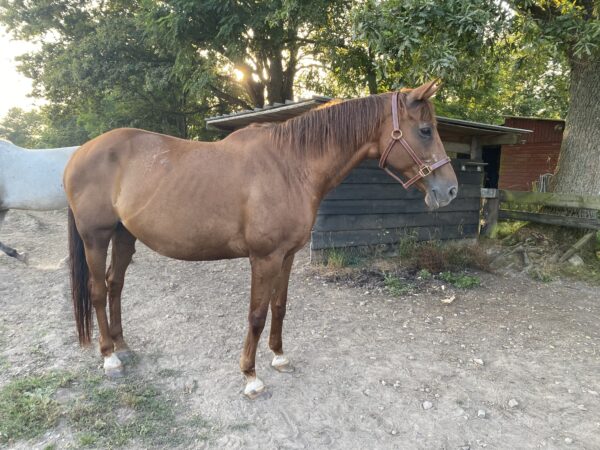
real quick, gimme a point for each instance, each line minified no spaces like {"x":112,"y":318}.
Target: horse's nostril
{"x":453,"y":191}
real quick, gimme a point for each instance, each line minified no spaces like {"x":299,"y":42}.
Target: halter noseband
{"x":396,"y":136}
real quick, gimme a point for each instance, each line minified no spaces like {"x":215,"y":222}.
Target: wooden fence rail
{"x":495,"y":209}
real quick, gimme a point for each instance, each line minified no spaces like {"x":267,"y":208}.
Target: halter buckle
{"x":396,"y":134}
{"x":424,"y":171}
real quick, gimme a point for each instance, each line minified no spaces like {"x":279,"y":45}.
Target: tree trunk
{"x":578,"y":169}
{"x":371,"y":74}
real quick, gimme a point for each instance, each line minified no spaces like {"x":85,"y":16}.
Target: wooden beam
{"x":457,"y":147}
{"x":332,"y":239}
{"x":349,"y":222}
{"x":501,"y":139}
{"x":550,"y":219}
{"x":551,"y":199}
{"x":576,"y":246}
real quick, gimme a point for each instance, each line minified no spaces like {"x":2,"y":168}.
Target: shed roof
{"x":450,"y":129}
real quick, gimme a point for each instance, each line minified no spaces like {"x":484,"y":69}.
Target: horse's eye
{"x":425,"y":132}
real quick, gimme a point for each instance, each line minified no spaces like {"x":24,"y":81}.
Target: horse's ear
{"x":424,"y":91}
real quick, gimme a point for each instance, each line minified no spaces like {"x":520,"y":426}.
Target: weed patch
{"x":337,"y":258}
{"x":396,"y":286}
{"x":101,"y":413}
{"x":460,"y":280}
{"x":27,"y":406}
{"x":111,"y":415}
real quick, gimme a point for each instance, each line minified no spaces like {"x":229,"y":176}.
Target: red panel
{"x":522,"y":164}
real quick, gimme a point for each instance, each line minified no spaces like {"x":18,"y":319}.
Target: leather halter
{"x":424,"y":169}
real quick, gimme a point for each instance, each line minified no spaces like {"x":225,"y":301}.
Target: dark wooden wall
{"x":371,"y":208}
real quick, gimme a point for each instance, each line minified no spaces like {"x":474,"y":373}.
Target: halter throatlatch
{"x":396,"y":136}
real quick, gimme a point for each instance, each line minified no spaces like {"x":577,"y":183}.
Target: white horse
{"x":31,"y":179}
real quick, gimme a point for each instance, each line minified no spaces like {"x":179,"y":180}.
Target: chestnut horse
{"x":254,"y":194}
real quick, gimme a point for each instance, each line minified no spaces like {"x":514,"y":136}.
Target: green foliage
{"x":165,"y":66}
{"x":395,"y":285}
{"x":47,"y":127}
{"x":424,"y":274}
{"x":479,"y":49}
{"x":22,"y":128}
{"x":101,"y":69}
{"x":460,"y":280}
{"x":27,"y":406}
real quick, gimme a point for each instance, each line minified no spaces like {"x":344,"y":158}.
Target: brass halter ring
{"x":396,"y":134}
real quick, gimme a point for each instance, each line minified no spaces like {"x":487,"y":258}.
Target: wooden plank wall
{"x":371,"y":208}
{"x":523,"y":163}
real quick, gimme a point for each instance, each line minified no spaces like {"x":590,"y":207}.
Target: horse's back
{"x":32,"y":179}
{"x":168,"y":192}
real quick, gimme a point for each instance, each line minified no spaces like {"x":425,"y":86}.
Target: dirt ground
{"x":513,"y":364}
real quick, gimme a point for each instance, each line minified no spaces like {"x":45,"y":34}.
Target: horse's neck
{"x":330,"y":169}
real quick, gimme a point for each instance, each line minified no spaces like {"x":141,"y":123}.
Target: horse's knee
{"x":256,"y":320}
{"x":278,"y":311}
{"x":98,"y":296}
{"x":115,"y":286}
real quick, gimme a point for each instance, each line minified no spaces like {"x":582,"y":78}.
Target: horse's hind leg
{"x":123,"y":248}
{"x":5,"y":248}
{"x":265,"y":279}
{"x":96,"y":246}
{"x":278,"y":305}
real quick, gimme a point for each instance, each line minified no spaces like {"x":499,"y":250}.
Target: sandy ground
{"x":366,"y":363}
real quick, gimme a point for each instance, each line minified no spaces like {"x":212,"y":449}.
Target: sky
{"x":14,"y":87}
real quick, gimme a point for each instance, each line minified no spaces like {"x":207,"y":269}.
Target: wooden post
{"x":491,"y":204}
{"x":476,"y":151}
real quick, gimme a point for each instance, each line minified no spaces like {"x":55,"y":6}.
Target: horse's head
{"x":411,"y":145}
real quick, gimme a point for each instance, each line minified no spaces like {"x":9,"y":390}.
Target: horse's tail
{"x":80,"y":288}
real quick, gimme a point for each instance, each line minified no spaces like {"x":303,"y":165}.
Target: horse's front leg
{"x":266,"y":273}
{"x":278,"y":306}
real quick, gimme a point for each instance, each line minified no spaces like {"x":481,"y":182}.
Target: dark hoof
{"x":117,"y":372}
{"x":126,"y":356}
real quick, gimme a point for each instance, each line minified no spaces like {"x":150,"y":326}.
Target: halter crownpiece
{"x":396,"y":136}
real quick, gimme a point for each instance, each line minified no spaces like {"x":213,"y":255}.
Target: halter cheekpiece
{"x":396,"y":136}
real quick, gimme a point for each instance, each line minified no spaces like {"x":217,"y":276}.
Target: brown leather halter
{"x":396,"y":136}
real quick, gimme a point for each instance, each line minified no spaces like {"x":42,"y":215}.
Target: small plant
{"x":424,"y":274}
{"x":460,"y":280}
{"x":540,"y":275}
{"x":395,"y":285}
{"x":337,"y":258}
{"x":407,"y":246}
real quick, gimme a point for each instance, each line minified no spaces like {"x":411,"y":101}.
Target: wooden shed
{"x":369,"y":208}
{"x":522,"y":164}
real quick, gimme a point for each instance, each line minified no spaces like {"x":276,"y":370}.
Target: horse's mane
{"x":347,"y":124}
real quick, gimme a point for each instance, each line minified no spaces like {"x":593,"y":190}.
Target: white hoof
{"x":113,"y":367}
{"x":281,"y":364}
{"x":254,"y":388}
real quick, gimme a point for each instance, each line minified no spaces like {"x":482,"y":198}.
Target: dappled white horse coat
{"x":31,"y":179}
